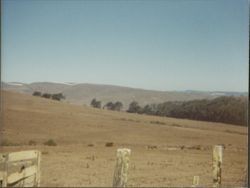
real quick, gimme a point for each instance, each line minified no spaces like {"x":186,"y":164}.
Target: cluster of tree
{"x":56,"y":96}
{"x":96,"y":104}
{"x":116,"y":106}
{"x":226,"y":109}
{"x":134,"y":107}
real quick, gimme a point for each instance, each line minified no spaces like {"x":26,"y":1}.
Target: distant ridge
{"x":83,"y":93}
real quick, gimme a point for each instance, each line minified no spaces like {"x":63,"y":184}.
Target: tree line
{"x":225,"y":109}
{"x":115,"y":106}
{"x":55,"y":96}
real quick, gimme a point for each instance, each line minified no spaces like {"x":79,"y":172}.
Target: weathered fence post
{"x":5,"y":171}
{"x":247,"y":178}
{"x":217,"y":164}
{"x":121,"y":168}
{"x":38,"y":173}
{"x":196,"y":181}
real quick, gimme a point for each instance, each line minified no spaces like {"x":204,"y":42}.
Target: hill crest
{"x":83,"y":93}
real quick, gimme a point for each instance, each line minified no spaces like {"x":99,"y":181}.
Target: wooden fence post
{"x":121,"y":168}
{"x":5,"y":171}
{"x":196,"y":181}
{"x":247,"y":178}
{"x":217,"y":164}
{"x":38,"y":173}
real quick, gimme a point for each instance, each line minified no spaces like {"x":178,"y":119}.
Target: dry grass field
{"x":165,"y":151}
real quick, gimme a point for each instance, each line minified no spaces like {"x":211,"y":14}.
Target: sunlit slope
{"x":28,"y":118}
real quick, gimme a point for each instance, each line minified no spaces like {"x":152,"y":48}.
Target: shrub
{"x":8,"y":143}
{"x":50,"y":142}
{"x":109,"y":144}
{"x":158,"y":122}
{"x":151,"y":147}
{"x":32,"y":143}
{"x":195,"y":147}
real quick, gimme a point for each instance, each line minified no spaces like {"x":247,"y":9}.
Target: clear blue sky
{"x":158,"y":44}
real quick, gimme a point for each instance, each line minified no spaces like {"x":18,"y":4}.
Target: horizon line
{"x":77,"y":83}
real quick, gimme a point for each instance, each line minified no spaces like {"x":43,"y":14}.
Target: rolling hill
{"x":83,"y":93}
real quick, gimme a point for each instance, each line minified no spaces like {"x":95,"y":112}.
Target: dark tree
{"x":147,"y":109}
{"x":37,"y":93}
{"x":118,"y":106}
{"x":46,"y":95}
{"x":93,"y":102}
{"x":58,"y":96}
{"x":134,"y":107}
{"x":109,"y":106}
{"x":96,"y":104}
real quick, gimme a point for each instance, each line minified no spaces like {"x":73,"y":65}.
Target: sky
{"x":159,"y":44}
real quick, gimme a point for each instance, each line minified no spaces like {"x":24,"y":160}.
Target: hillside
{"x":83,"y":93}
{"x":164,"y":150}
{"x":52,"y":113}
